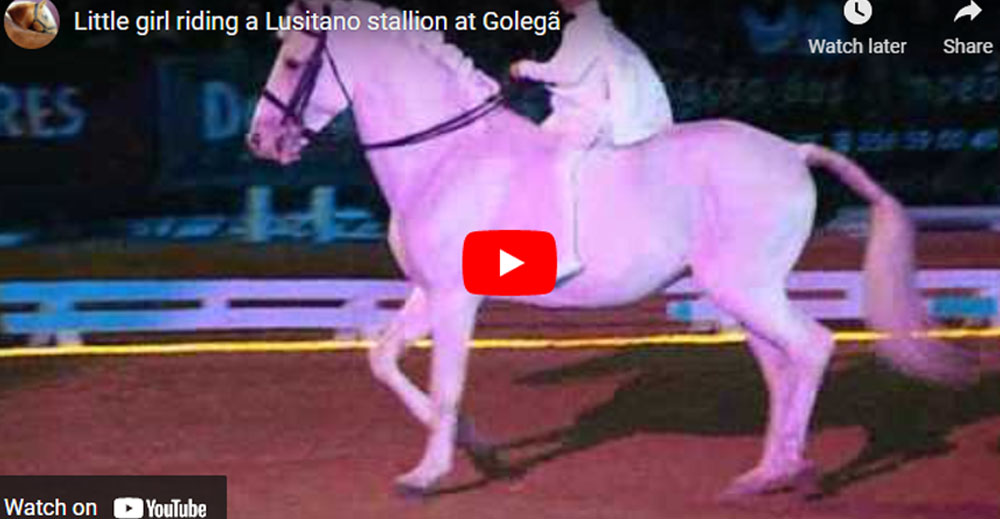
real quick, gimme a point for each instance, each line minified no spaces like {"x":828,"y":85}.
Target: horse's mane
{"x":477,"y":84}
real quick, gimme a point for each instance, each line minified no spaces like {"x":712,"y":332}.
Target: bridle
{"x":294,"y":109}
{"x":45,"y":28}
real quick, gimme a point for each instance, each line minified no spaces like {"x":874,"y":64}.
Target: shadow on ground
{"x":719,"y":392}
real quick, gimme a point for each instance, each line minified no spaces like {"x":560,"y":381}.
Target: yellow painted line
{"x":715,"y":339}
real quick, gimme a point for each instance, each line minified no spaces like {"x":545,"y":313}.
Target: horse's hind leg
{"x":793,"y":381}
{"x":794,"y":351}
{"x":779,"y":378}
{"x":752,"y":225}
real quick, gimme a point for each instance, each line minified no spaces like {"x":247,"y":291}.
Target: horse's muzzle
{"x":255,"y":143}
{"x":283,"y":145}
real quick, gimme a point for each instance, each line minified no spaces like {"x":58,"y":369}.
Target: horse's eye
{"x":292,"y":64}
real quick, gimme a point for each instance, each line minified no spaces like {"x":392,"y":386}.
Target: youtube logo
{"x":509,"y":263}
{"x":128,"y":508}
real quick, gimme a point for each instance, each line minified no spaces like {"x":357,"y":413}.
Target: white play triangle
{"x":508,"y":263}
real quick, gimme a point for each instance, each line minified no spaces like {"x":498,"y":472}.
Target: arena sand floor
{"x":637,"y":433}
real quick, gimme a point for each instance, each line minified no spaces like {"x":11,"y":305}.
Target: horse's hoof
{"x":485,"y":457}
{"x":490,"y":464}
{"x":807,"y":485}
{"x":410,"y":492}
{"x":804,"y":482}
{"x":465,"y":433}
{"x":414,"y":493}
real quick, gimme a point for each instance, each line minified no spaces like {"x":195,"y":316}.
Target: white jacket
{"x":598,"y":72}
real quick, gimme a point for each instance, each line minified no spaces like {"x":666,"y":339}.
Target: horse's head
{"x":33,"y":16}
{"x":304,"y":92}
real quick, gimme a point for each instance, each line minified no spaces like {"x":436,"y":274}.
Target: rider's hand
{"x":515,"y":70}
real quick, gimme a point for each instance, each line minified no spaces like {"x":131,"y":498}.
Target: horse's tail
{"x":892,"y":303}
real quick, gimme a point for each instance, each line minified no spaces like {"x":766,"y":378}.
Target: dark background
{"x":106,"y":126}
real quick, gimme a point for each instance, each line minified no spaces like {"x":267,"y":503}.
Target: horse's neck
{"x":412,"y":94}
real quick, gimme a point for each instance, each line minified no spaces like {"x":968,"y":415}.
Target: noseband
{"x":293,"y":111}
{"x":36,"y":20}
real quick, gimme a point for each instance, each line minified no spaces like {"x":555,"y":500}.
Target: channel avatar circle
{"x":31,"y":25}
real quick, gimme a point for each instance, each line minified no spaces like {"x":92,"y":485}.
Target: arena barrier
{"x":68,"y":309}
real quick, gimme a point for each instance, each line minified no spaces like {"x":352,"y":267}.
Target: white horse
{"x":730,"y":202}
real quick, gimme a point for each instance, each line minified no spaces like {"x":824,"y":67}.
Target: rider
{"x":604,"y":92}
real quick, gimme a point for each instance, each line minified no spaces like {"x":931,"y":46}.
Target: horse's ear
{"x":42,"y":3}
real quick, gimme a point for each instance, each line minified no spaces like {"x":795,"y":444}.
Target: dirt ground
{"x":639,"y":433}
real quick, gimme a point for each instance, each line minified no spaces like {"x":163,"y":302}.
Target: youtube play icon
{"x":509,"y":263}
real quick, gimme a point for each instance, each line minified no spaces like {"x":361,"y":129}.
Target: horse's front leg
{"x":452,"y":317}
{"x":410,"y":325}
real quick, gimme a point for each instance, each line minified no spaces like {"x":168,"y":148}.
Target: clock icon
{"x":858,"y":12}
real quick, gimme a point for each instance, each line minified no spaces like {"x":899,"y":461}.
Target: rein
{"x":454,"y":124}
{"x":294,"y":109}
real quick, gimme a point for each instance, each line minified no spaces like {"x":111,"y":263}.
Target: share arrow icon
{"x":972,"y":11}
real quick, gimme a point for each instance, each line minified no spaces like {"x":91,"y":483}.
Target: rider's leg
{"x":580,"y":131}
{"x":569,"y":264}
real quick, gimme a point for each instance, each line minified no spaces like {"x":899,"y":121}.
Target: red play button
{"x":509,"y":263}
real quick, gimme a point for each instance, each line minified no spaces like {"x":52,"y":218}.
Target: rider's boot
{"x":568,"y":269}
